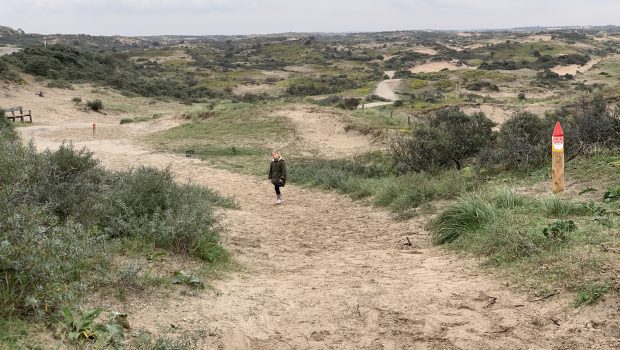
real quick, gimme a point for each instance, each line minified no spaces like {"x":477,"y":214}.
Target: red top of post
{"x":557,"y":131}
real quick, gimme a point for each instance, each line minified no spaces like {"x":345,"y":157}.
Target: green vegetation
{"x":74,"y":65}
{"x":229,"y":135}
{"x":550,"y":243}
{"x":64,"y":221}
{"x":371,"y":177}
{"x":95,"y":105}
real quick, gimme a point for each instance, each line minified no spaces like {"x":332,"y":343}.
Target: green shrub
{"x":95,"y":105}
{"x":559,"y":229}
{"x":448,"y":137}
{"x":62,"y":214}
{"x":523,"y":142}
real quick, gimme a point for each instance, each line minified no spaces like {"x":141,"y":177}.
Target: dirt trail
{"x":321,"y":132}
{"x":323,"y":272}
{"x":574,"y":69}
{"x":386,"y":89}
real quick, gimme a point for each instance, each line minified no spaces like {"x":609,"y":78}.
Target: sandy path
{"x":321,"y":132}
{"x":386,"y":89}
{"x":323,"y":272}
{"x":573,"y":69}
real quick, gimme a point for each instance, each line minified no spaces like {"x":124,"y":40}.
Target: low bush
{"x":482,"y":85}
{"x":95,"y":105}
{"x":63,"y":218}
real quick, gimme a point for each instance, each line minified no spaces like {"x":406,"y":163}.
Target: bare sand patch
{"x":426,"y":50}
{"x":7,"y":50}
{"x":498,"y":114}
{"x":535,"y":38}
{"x":306,"y":68}
{"x":387,"y":89}
{"x":320,"y":131}
{"x":433,"y":67}
{"x":252,"y":89}
{"x":573,"y":69}
{"x":388,"y":57}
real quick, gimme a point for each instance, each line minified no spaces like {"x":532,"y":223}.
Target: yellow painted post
{"x":557,"y":161}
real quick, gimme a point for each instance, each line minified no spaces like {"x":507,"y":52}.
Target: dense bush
{"x":75,"y":65}
{"x":62,"y":215}
{"x":6,"y":73}
{"x":95,"y":105}
{"x":523,"y":141}
{"x":446,"y":137}
{"x":323,"y":85}
{"x":590,"y":124}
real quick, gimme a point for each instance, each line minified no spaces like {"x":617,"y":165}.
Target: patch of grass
{"x":229,"y":135}
{"x":465,"y":217}
{"x":417,"y":84}
{"x":375,"y":121}
{"x":554,"y":206}
{"x":135,"y":120}
{"x":516,"y":234}
{"x":60,"y":84}
{"x":590,"y":294}
{"x":19,"y":334}
{"x":477,"y":74}
{"x":371,"y":177}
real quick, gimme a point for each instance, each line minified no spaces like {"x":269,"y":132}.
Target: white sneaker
{"x":278,"y":202}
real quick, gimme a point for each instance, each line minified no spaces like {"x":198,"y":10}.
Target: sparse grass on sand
{"x":236,"y":136}
{"x":544,"y":242}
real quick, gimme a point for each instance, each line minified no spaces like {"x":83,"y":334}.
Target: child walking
{"x":277,"y":174}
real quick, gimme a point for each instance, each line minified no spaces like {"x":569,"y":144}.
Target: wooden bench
{"x":17,"y":112}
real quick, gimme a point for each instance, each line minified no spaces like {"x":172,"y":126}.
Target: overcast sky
{"x":207,"y":17}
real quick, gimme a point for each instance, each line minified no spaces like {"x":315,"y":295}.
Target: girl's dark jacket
{"x":277,"y":170}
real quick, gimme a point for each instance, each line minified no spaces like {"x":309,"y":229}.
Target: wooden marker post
{"x":557,"y":161}
{"x":93,"y":130}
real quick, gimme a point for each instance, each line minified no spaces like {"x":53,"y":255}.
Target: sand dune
{"x":433,"y":67}
{"x":573,"y":69}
